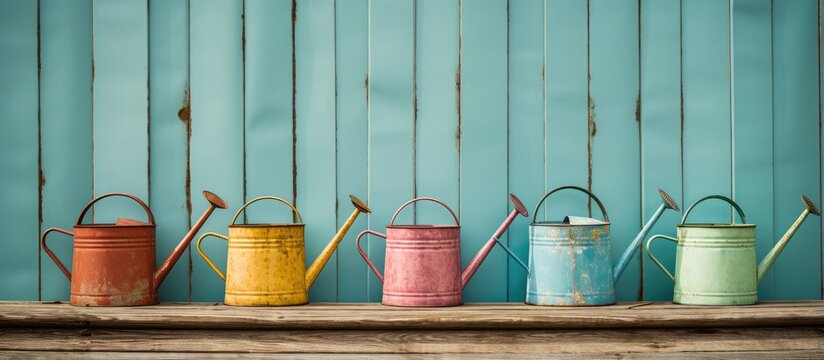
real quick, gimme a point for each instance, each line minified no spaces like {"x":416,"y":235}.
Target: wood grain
{"x":803,"y":354}
{"x":375,"y":316}
{"x":417,"y":341}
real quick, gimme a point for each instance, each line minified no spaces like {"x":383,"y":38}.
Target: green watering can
{"x":715,"y":263}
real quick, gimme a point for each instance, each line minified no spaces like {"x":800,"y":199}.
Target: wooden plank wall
{"x":466,"y":101}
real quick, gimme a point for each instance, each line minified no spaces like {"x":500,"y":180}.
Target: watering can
{"x":715,"y":263}
{"x":114,"y":264}
{"x":265,"y":263}
{"x":423,"y":262}
{"x":569,"y":261}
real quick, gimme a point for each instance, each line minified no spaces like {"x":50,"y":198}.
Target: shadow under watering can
{"x":570,"y":261}
{"x":266,"y":263}
{"x":114,"y":264}
{"x":423,"y":262}
{"x":716,"y":263}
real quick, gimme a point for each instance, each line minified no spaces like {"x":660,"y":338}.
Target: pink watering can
{"x":423,"y":262}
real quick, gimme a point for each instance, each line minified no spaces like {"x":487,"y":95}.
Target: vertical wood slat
{"x":169,"y":112}
{"x":351,"y":54}
{"x":483,"y":189}
{"x":316,"y":142}
{"x":268,"y":103}
{"x":391,"y":149}
{"x":65,"y":129}
{"x":706,"y":136}
{"x":526,"y":170}
{"x":615,"y":127}
{"x":19,"y":148}
{"x":120,"y":77}
{"x":566,"y":107}
{"x":436,"y":145}
{"x":216,"y":77}
{"x":796,"y":142}
{"x":753,"y":123}
{"x":661,"y":118}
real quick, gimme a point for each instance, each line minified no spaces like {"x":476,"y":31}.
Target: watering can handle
{"x":206,"y":258}
{"x":591,"y":195}
{"x":101,"y":197}
{"x":52,"y":255}
{"x":720,"y":197}
{"x":427,"y":199}
{"x":266,"y":198}
{"x":366,"y":257}
{"x":655,"y":260}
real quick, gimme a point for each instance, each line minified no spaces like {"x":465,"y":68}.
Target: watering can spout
{"x":769,"y":260}
{"x":166,"y":266}
{"x":481,"y":255}
{"x":314,"y":270}
{"x":666,"y":203}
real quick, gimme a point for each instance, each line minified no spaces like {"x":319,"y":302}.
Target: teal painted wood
{"x":391,"y":150}
{"x":216,"y":77}
{"x":65,"y":128}
{"x":526,"y":126}
{"x":660,"y":130}
{"x":316,"y":143}
{"x":753,"y":124}
{"x":566,"y":106}
{"x":351,"y":54}
{"x":706,"y":85}
{"x":168,"y":136}
{"x":268,"y":104}
{"x":436,"y":122}
{"x":795,"y":134}
{"x":120,"y":76}
{"x":484,"y":202}
{"x":615,"y":128}
{"x":19,"y":149}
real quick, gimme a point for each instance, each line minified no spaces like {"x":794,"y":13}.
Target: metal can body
{"x":423,"y":266}
{"x":570,"y":265}
{"x":113,"y":265}
{"x":266,"y":265}
{"x":716,"y":265}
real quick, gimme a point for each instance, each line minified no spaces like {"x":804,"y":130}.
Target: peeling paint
{"x":458,"y":107}
{"x":185,"y":116}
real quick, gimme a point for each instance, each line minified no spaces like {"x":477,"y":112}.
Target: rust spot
{"x":42,"y":180}
{"x":185,"y":116}
{"x":366,"y":87}
{"x":592,"y":128}
{"x":638,"y":109}
{"x":294,"y":13}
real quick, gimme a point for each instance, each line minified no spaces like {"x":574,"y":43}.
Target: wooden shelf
{"x":376,"y":316}
{"x":478,"y":331}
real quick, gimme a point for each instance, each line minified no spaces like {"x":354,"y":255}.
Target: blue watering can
{"x":570,"y":262}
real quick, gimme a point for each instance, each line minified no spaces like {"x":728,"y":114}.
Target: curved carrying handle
{"x":392,"y":222}
{"x":591,"y":195}
{"x":101,"y":197}
{"x":719,"y":197}
{"x":266,"y":198}
{"x":52,"y":255}
{"x":366,"y":257}
{"x":206,"y":258}
{"x":655,"y":260}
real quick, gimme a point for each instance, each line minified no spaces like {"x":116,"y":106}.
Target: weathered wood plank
{"x":65,"y":136}
{"x":351,"y":71}
{"x":374,"y":316}
{"x":416,"y":341}
{"x":793,"y":354}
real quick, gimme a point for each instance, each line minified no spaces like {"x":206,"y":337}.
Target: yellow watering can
{"x":265,"y":264}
